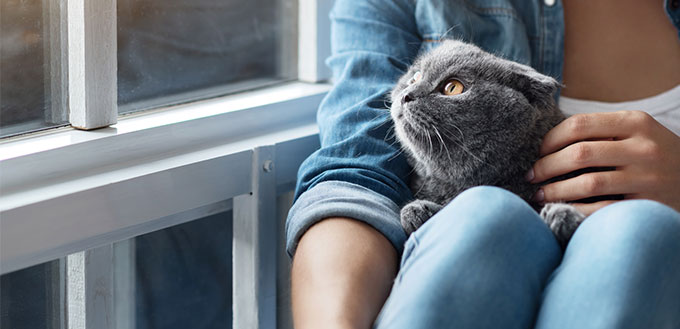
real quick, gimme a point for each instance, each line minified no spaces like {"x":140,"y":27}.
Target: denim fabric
{"x":335,"y":198}
{"x":487,"y":261}
{"x":373,"y":42}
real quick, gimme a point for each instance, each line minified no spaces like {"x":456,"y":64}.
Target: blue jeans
{"x":488,"y":261}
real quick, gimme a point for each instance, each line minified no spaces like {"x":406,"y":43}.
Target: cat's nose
{"x":407,"y":98}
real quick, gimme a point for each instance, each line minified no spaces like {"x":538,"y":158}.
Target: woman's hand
{"x":646,"y":156}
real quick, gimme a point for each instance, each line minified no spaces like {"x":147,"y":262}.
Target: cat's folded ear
{"x":538,"y":88}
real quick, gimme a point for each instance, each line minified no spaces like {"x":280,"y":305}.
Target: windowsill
{"x":183,"y":133}
{"x":88,"y":188}
{"x":55,"y":138}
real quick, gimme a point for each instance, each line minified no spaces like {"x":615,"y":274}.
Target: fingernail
{"x":539,"y":196}
{"x":530,"y":175}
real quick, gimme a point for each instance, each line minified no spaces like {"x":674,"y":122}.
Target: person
{"x":486,"y":260}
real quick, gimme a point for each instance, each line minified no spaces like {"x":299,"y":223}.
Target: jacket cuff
{"x":343,"y":199}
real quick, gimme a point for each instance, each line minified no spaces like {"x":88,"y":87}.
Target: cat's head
{"x":460,"y":103}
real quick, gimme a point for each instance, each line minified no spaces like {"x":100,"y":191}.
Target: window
{"x":27,"y":79}
{"x":168,"y":52}
{"x":32,"y":297}
{"x":172,"y":51}
{"x":198,"y":293}
{"x":80,"y":202}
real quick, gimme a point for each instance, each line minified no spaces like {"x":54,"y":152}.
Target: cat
{"x":467,"y":118}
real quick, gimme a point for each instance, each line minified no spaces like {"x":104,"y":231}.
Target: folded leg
{"x":480,"y":262}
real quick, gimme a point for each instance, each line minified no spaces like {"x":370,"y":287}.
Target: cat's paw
{"x":416,"y":213}
{"x":563,"y":219}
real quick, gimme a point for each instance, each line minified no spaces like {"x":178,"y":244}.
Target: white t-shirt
{"x":664,"y":107}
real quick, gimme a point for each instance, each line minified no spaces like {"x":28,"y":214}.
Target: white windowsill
{"x":66,"y":190}
{"x":60,"y":137}
{"x":41,"y":160}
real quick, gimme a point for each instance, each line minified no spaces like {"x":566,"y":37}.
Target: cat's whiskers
{"x":430,"y":152}
{"x":401,"y":150}
{"x":448,"y":154}
{"x":386,"y":102}
{"x":390,"y":134}
{"x":433,"y":125}
{"x":418,"y":128}
{"x":384,"y":117}
{"x":426,"y":137}
{"x":380,"y":125}
{"x":426,"y":133}
{"x":420,"y":188}
{"x":462,"y":136}
{"x":443,"y":35}
{"x":470,"y":153}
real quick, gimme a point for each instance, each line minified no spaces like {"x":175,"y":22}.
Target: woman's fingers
{"x":581,"y":155}
{"x":587,"y":185}
{"x":643,"y":152}
{"x":581,"y":127}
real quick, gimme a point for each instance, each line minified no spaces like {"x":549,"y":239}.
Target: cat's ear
{"x":539,"y":89}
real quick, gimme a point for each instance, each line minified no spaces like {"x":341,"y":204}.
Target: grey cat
{"x":468,"y":118}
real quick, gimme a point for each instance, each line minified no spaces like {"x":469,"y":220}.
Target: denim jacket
{"x":359,"y":171}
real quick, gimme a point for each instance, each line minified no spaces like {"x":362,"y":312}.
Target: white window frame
{"x":85,"y":193}
{"x":92,"y":63}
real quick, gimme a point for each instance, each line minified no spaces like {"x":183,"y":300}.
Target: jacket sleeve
{"x":359,"y":172}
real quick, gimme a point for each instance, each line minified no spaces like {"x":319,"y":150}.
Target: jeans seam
{"x":495,"y":11}
{"x":409,"y":258}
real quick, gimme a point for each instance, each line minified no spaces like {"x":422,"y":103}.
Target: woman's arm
{"x":342,"y":274}
{"x":343,"y":268}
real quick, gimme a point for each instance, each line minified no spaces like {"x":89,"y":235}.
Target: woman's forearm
{"x":342,"y":274}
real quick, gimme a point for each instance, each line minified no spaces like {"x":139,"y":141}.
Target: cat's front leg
{"x":563,"y":219}
{"x":416,"y":213}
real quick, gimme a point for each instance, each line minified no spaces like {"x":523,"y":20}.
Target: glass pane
{"x":172,"y":51}
{"x":32,"y":298}
{"x":183,"y":275}
{"x":28,"y":83}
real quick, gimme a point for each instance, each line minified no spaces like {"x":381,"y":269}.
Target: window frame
{"x":82,"y":189}
{"x":181,"y":145}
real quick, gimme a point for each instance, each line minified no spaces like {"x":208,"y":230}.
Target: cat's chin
{"x":402,"y":135}
{"x":411,"y":148}
{"x":397,"y":114}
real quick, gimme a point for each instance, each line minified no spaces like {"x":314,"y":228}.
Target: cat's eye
{"x":416,"y":77}
{"x":452,"y":87}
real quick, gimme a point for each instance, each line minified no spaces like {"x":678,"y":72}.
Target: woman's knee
{"x":632,"y":218}
{"x":632,"y":224}
{"x":483,"y":218}
{"x":486,"y":208}
{"x":623,"y":264}
{"x":474,"y":247}
{"x":490,"y":196}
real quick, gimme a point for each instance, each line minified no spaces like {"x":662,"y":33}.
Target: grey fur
{"x":488,"y":135}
